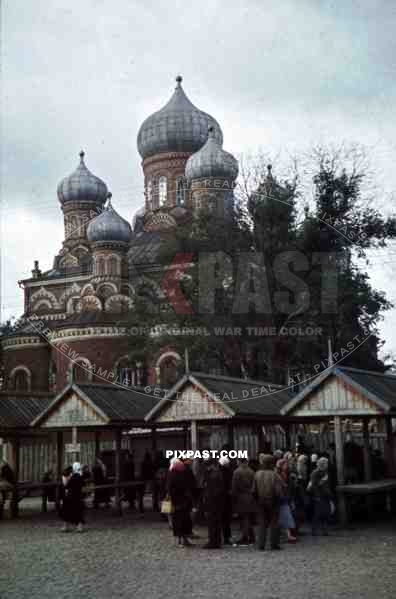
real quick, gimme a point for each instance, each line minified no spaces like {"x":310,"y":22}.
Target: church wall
{"x":36,"y":359}
{"x":101,"y":352}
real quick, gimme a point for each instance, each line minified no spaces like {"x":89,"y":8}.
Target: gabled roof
{"x":377,"y":387}
{"x":19,"y":410}
{"x":238,"y":397}
{"x":113,"y":404}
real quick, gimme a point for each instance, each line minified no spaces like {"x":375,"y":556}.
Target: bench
{"x":386,"y":486}
{"x":28,"y":489}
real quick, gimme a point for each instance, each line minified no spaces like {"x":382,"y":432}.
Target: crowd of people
{"x":272,"y":496}
{"x":278,"y":492}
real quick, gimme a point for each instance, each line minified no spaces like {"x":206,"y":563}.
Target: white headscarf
{"x":76,"y":468}
{"x":173,"y":462}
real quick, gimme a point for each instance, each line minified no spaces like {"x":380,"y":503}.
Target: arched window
{"x":100,"y":265}
{"x":167,"y":367}
{"x":112,"y":265}
{"x":180,"y":192}
{"x":150,"y":195}
{"x":162,"y":190}
{"x":20,"y":379}
{"x":81,"y":371}
{"x":52,"y":377}
{"x":131,"y":373}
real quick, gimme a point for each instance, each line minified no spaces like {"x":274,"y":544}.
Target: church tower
{"x":165,"y":141}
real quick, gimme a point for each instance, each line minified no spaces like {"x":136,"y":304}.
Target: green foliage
{"x":274,"y":221}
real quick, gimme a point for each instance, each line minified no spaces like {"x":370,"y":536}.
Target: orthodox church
{"x":87,"y":294}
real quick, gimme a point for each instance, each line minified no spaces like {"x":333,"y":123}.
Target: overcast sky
{"x":277,"y":75}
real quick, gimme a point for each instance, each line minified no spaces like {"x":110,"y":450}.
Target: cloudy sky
{"x":281,"y":76}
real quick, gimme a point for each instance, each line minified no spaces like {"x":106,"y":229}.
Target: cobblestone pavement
{"x":134,"y":556}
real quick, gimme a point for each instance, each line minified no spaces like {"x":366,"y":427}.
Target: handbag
{"x":167,"y":506}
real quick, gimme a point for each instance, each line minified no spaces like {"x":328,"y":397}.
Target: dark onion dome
{"x":109,"y":226}
{"x":212,"y":161}
{"x":178,"y":127}
{"x":82,"y":186}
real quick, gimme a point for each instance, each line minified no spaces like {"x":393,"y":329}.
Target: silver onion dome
{"x":211,"y":161}
{"x":178,"y":127}
{"x":82,"y":186}
{"x":109,"y":226}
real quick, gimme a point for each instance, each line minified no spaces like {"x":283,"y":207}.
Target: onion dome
{"x":82,"y":186}
{"x":109,"y":226}
{"x":212,"y":161}
{"x":178,"y":127}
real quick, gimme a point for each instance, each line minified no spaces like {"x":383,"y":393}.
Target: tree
{"x":293,"y":260}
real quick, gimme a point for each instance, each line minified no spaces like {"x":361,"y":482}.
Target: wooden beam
{"x":194,"y":435}
{"x":118,"y":471}
{"x":16,"y":461}
{"x":59,"y":466}
{"x":154,"y":440}
{"x":230,"y":435}
{"x":287,"y":436}
{"x":366,"y":451}
{"x":97,"y":444}
{"x":389,"y":448}
{"x":339,"y":448}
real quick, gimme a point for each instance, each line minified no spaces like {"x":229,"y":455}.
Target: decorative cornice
{"x":43,"y":281}
{"x":88,"y":332}
{"x":23,"y":342}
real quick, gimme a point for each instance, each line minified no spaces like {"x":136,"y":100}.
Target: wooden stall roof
{"x":93,"y":404}
{"x":345,"y":391}
{"x":220,"y":397}
{"x":17,"y":410}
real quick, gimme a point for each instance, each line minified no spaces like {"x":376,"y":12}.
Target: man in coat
{"x":214,"y":501}
{"x":243,"y":501}
{"x":267,"y":490}
{"x":226,"y":470}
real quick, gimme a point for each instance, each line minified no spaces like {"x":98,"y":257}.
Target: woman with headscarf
{"x":72,"y":508}
{"x":286,"y":520}
{"x":180,"y":493}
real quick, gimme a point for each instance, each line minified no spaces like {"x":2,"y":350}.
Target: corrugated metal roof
{"x":246,"y":397}
{"x":382,"y":385}
{"x":120,"y":403}
{"x":20,"y":410}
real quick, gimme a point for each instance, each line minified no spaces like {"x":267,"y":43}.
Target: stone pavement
{"x":134,"y":556}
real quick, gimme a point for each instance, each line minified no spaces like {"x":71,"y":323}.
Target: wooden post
{"x":118,"y":472}
{"x":389,"y":449}
{"x":59,"y":466}
{"x":97,"y":444}
{"x":230,"y":434}
{"x":366,"y":451}
{"x":194,"y":435}
{"x":154,"y":440}
{"x":14,"y":496}
{"x":287,"y":437}
{"x":339,"y":448}
{"x":185,"y":436}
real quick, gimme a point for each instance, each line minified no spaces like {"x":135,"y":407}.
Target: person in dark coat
{"x":180,"y":493}
{"x":243,"y":501}
{"x":128,"y":476}
{"x":226,"y":470}
{"x":214,"y":502}
{"x":267,"y":491}
{"x":320,"y":490}
{"x":100,"y":478}
{"x":72,"y":506}
{"x":7,"y":483}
